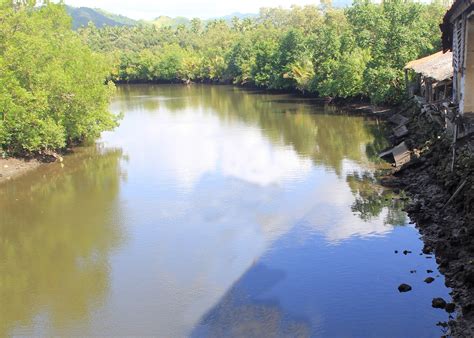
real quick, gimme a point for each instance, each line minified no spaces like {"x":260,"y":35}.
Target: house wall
{"x":463,"y":76}
{"x":458,"y":57}
{"x":468,"y":90}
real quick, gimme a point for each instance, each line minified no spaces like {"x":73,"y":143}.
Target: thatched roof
{"x":438,"y":66}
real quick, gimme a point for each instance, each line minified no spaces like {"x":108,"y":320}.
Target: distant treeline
{"x":55,"y":83}
{"x":52,"y":86}
{"x":355,"y":52}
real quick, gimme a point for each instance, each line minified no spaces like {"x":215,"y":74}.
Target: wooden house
{"x":431,"y":77}
{"x":458,"y":37}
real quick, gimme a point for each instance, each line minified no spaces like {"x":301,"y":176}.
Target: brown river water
{"x":213,"y":211}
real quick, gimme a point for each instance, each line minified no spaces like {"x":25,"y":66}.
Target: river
{"x":214,"y":211}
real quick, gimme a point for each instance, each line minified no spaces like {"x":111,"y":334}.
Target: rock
{"x":469,"y":276}
{"x":438,"y":303}
{"x":429,"y":280}
{"x":404,"y":288}
{"x":427,"y":250}
{"x":467,"y":309}
{"x":396,"y":251}
{"x":429,"y":271}
{"x":406,"y":252}
{"x":450,"y":307}
{"x":413,"y":271}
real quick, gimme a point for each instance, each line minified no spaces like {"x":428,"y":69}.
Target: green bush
{"x":52,"y":89}
{"x":384,"y":85}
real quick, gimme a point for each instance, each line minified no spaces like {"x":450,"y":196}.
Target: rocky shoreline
{"x":442,"y":203}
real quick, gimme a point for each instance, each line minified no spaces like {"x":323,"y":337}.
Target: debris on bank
{"x":439,"y":175}
{"x":434,"y":164}
{"x":399,"y":155}
{"x":433,"y":156}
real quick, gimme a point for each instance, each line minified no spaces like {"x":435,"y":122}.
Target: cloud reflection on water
{"x":226,"y":175}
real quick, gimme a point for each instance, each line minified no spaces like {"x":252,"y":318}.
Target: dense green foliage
{"x":358,"y":51}
{"x":52,"y":88}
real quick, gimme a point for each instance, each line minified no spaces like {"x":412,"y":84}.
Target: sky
{"x":148,"y":9}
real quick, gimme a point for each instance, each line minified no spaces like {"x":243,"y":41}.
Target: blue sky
{"x":146,"y":9}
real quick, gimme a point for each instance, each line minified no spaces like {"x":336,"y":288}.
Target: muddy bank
{"x":442,"y":193}
{"x":12,"y":168}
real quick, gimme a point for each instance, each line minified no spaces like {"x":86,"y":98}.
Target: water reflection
{"x":326,"y":139}
{"x":371,"y":200}
{"x":244,"y":213}
{"x":57,"y":229}
{"x":257,"y":138}
{"x":235,"y":316}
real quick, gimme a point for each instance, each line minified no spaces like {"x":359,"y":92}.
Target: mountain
{"x":123,"y":20}
{"x":166,"y":21}
{"x":83,"y":15}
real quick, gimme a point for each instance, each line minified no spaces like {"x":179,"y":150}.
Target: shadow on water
{"x":338,"y":295}
{"x":56,"y":233}
{"x":239,"y":314}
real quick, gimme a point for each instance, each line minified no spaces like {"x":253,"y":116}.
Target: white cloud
{"x":145,"y":9}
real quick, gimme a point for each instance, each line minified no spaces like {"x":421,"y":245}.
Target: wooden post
{"x":453,"y":160}
{"x":458,"y":190}
{"x":407,"y":88}
{"x":428,"y":90}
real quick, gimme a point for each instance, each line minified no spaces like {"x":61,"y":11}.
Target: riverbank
{"x":12,"y":168}
{"x":442,"y":193}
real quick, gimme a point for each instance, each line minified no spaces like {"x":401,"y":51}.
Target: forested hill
{"x":83,"y":15}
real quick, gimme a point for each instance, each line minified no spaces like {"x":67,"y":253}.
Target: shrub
{"x":52,"y":89}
